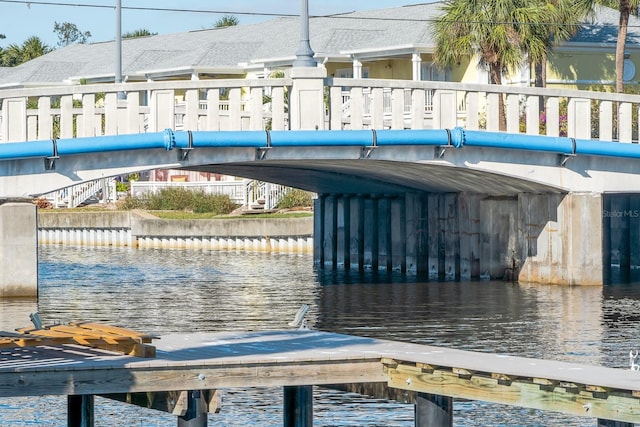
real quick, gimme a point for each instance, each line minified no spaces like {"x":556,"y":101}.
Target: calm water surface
{"x":163,"y":291}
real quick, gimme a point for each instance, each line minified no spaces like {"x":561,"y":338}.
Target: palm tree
{"x":503,"y":34}
{"x":33,"y":47}
{"x":226,"y":21}
{"x":627,"y":8}
{"x":563,"y":21}
{"x":138,"y":33}
{"x":30,"y":49}
{"x":494,"y":31}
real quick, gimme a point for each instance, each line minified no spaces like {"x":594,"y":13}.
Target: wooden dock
{"x":295,"y":359}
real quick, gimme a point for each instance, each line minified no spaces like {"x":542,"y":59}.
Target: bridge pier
{"x":18,"y":249}
{"x":543,"y":238}
{"x":621,"y":247}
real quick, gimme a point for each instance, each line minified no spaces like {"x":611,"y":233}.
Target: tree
{"x":563,"y":22}
{"x":69,"y":33}
{"x":30,"y":49}
{"x":626,"y":8}
{"x":138,"y":33}
{"x":502,"y":34}
{"x":491,"y":30}
{"x":226,"y":21}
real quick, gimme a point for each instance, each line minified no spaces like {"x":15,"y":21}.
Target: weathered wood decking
{"x":210,"y":361}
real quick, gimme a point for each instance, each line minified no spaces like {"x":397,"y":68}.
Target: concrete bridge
{"x":411,"y":176}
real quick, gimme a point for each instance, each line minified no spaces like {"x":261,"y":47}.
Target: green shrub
{"x":172,"y":199}
{"x":122,"y":187}
{"x":181,"y":199}
{"x":296,"y":198}
{"x":130,"y":203}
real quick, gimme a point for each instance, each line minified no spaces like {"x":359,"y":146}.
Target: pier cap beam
{"x":18,"y":248}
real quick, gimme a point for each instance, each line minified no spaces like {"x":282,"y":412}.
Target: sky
{"x":21,"y":19}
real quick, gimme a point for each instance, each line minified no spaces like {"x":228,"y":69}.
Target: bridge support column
{"x":18,"y":249}
{"x":621,"y":229}
{"x":540,"y":238}
{"x":433,"y":410}
{"x":298,"y":406}
{"x":356,"y":237}
{"x":562,"y":238}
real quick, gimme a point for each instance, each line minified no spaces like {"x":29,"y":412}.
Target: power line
{"x":344,"y":15}
{"x":140,"y":8}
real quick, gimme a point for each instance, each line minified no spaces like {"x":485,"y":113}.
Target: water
{"x":165,"y":291}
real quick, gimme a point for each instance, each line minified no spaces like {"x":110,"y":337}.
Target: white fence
{"x":103,"y":190}
{"x":250,"y":194}
{"x":233,"y":189}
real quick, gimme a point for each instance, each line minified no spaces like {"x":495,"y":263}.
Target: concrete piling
{"x":18,"y":249}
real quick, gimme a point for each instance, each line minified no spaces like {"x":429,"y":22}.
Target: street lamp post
{"x":118,"y":78}
{"x":304,"y":55}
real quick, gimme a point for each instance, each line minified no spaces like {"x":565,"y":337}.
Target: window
{"x":431,"y":72}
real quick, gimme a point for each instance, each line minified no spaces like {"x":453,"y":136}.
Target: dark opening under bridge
{"x":451,"y":203}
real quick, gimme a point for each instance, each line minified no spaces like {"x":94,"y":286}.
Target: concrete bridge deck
{"x":303,"y":358}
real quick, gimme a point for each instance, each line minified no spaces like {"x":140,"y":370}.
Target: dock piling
{"x":196,"y":413}
{"x":80,"y":410}
{"x":298,"y":406}
{"x":433,"y":410}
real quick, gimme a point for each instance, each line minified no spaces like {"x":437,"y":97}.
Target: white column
{"x":416,"y":59}
{"x":357,"y":69}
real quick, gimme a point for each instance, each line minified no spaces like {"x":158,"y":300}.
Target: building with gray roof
{"x":385,"y":43}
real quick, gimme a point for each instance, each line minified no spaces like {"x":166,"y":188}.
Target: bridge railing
{"x":109,"y":109}
{"x":255,"y":104}
{"x":400,"y":104}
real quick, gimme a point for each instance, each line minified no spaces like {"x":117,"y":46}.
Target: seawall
{"x":139,"y":229}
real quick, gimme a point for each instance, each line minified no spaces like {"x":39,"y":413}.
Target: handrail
{"x":483,"y":88}
{"x":142,"y":86}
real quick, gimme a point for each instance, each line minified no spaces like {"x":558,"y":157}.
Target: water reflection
{"x":167,"y":291}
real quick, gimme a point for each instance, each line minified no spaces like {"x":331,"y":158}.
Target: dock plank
{"x":209,"y":361}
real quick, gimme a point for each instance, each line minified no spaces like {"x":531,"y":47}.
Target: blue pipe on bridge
{"x":457,"y":137}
